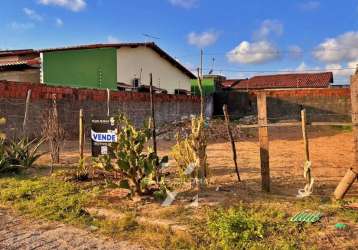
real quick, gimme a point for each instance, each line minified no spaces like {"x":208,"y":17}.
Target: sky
{"x":239,"y":38}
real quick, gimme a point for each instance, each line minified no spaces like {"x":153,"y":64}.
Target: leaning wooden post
{"x":231,"y":138}
{"x":264,"y":141}
{"x":81,"y":136}
{"x":152,"y":114}
{"x":153,"y":125}
{"x":26,"y":112}
{"x":352,"y":173}
{"x":201,"y":137}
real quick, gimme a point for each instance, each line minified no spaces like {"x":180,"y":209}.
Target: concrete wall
{"x":29,"y":75}
{"x":94,"y":102}
{"x":130,"y":62}
{"x":321,"y":104}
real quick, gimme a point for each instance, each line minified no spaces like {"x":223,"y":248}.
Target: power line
{"x":277,"y":52}
{"x":275,"y":71}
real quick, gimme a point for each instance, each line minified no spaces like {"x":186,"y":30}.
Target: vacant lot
{"x":179,"y":226}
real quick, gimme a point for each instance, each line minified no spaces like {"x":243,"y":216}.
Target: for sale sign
{"x":103,"y":134}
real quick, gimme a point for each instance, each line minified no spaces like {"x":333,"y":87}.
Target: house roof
{"x":21,"y":64}
{"x":229,"y":83}
{"x":151,"y":45}
{"x":305,"y":80}
{"x":17,"y":52}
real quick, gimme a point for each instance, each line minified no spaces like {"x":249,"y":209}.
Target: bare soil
{"x":331,"y":152}
{"x":17,"y":232}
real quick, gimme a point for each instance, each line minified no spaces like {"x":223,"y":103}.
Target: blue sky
{"x":245,"y":37}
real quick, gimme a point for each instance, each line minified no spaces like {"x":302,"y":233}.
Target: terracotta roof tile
{"x":30,"y":62}
{"x":306,"y":80}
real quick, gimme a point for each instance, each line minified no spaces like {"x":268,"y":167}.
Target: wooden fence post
{"x":108,"y":101}
{"x":264,"y":141}
{"x":307,"y":191}
{"x":26,"y":112}
{"x":231,"y":138}
{"x":81,"y":135}
{"x":352,"y":173}
{"x":304,"y":133}
{"x":154,"y":133}
{"x":2,"y":122}
{"x":152,"y":113}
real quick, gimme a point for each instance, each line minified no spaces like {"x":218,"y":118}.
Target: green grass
{"x":46,"y":198}
{"x":253,"y":227}
{"x":53,"y":199}
{"x":345,"y":128}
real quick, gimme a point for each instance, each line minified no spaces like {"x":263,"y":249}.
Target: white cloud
{"x":74,"y":5}
{"x":295,"y":51}
{"x":21,"y":26}
{"x":59,"y":22}
{"x":187,"y":4}
{"x":339,"y":49}
{"x":340,"y":71}
{"x":310,"y":5}
{"x":112,"y":39}
{"x":203,"y":39}
{"x":253,"y":53}
{"x":303,"y":68}
{"x":267,"y":28}
{"x":32,"y":14}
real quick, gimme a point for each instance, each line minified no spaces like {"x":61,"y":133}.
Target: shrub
{"x":141,"y":170}
{"x":23,"y":152}
{"x":191,"y":150}
{"x":234,"y":228}
{"x":4,"y":160}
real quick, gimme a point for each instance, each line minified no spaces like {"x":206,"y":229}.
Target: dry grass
{"x":331,"y":154}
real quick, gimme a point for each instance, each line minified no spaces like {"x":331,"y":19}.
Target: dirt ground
{"x":331,"y":154}
{"x":17,"y":232}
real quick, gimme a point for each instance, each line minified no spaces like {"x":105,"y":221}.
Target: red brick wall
{"x":94,"y":103}
{"x":338,"y":92}
{"x":330,"y":104}
{"x":45,"y":92}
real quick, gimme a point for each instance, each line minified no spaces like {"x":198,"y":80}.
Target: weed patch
{"x":46,"y":198}
{"x":253,"y":228}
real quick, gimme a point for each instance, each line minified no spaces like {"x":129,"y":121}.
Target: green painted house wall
{"x":208,"y":86}
{"x":85,"y":68}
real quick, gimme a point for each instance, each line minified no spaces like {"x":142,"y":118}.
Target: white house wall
{"x":141,"y":61}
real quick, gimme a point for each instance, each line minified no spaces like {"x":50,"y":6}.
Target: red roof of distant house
{"x":229,"y":83}
{"x":30,"y":63}
{"x":306,"y":80}
{"x":19,"y":52}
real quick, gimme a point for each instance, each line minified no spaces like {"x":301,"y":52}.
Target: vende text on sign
{"x":103,"y":134}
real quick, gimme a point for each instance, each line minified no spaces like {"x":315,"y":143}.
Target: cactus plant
{"x":191,"y":150}
{"x":137,"y":166}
